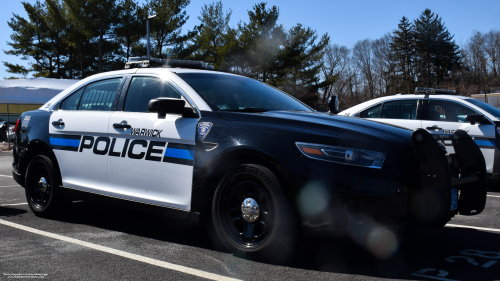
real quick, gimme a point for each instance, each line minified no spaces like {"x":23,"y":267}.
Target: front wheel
{"x":251,"y":215}
{"x":42,"y":187}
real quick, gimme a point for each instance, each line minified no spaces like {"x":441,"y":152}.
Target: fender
{"x":207,"y":175}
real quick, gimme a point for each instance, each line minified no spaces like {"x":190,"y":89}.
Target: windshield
{"x":235,"y":93}
{"x":486,"y":107}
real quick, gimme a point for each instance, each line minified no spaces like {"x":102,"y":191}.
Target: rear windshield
{"x":486,"y":107}
{"x":235,"y":93}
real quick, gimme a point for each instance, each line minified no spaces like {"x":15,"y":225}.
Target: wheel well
{"x":35,"y":148}
{"x":229,"y":162}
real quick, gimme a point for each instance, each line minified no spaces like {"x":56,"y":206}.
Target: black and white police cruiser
{"x":440,"y":112}
{"x":245,"y":160}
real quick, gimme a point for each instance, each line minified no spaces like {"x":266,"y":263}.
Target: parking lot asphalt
{"x":97,"y":242}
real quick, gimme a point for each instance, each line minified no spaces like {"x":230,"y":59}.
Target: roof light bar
{"x":427,"y":91}
{"x":145,"y":62}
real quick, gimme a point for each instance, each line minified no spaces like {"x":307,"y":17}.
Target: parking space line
{"x":5,"y":176}
{"x":493,"y":196}
{"x":167,"y":265}
{"x":14,"y":204}
{"x":10,"y":185}
{"x":474,"y":227}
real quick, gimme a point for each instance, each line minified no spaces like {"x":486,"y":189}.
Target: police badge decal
{"x":204,"y":129}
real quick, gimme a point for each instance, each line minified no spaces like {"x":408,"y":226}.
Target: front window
{"x":144,"y":89}
{"x":486,"y":107}
{"x":235,"y":93}
{"x":439,"y":110}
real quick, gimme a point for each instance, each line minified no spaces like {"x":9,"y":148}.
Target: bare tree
{"x":363,"y":55}
{"x":335,"y":62}
{"x":492,"y":49}
{"x":382,"y":65}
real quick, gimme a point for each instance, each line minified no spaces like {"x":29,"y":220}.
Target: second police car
{"x":243,"y":159}
{"x":440,"y":112}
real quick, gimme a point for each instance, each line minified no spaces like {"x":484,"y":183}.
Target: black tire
{"x":45,"y":200}
{"x":272,"y":236}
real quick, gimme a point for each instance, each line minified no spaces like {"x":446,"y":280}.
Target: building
{"x":20,"y":95}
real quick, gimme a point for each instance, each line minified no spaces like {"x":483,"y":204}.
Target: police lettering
{"x":146,"y":132}
{"x":134,"y":149}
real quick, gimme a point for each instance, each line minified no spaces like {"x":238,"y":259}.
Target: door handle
{"x":58,"y":123}
{"x":121,"y":126}
{"x":435,"y":128}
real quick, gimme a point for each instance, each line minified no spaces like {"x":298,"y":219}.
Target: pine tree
{"x":300,"y":63}
{"x":166,"y":26}
{"x":437,"y":52}
{"x":403,"y":51}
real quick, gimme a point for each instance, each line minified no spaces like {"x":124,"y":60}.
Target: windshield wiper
{"x":248,"y":109}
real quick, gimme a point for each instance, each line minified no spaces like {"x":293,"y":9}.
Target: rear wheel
{"x":42,"y":187}
{"x":250,"y":214}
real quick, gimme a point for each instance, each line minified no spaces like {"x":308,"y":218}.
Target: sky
{"x":346,"y":22}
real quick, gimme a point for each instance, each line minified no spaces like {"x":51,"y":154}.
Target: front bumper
{"x":422,"y":196}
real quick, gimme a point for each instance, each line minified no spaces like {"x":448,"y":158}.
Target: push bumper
{"x":449,"y":184}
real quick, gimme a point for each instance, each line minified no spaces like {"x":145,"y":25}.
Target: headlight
{"x":343,"y":155}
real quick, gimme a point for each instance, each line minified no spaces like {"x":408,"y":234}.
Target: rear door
{"x":79,"y":134}
{"x":397,"y":112}
{"x":151,"y":159}
{"x":446,"y":116}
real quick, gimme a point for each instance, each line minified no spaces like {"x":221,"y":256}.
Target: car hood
{"x":356,"y":132}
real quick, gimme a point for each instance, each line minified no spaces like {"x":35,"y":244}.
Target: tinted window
{"x":373,"y":112}
{"x":71,"y":102}
{"x":144,"y":89}
{"x":100,"y":95}
{"x":486,"y":107}
{"x":401,"y":109}
{"x":236,"y":93}
{"x":438,"y":110}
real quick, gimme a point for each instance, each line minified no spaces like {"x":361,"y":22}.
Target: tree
{"x":166,"y":26}
{"x":300,"y":64}
{"x":437,"y":53}
{"x":215,"y":38}
{"x":363,"y":56}
{"x":259,"y":43}
{"x":403,"y":50}
{"x":33,"y":39}
{"x":336,"y":64}
{"x":131,"y":25}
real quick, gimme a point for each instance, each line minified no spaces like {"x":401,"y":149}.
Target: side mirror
{"x":476,"y":118}
{"x":162,"y":106}
{"x":333,"y":104}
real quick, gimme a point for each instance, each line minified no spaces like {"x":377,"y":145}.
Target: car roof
{"x":362,"y":106}
{"x":369,"y":103}
{"x":154,"y":70}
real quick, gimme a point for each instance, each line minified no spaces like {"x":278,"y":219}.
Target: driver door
{"x":150,"y":158}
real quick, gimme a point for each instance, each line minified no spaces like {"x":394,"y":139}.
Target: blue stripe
{"x":64,"y":142}
{"x":179,"y":153}
{"x":485,"y":142}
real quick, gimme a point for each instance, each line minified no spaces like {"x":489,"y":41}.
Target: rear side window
{"x":372,"y":112}
{"x":401,"y":109}
{"x":100,"y":95}
{"x":144,"y":89}
{"x":71,"y":102}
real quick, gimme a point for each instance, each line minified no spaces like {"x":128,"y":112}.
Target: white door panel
{"x":79,"y":167}
{"x":156,"y":165}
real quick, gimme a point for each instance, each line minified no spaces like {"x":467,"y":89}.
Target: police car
{"x":439,"y":112}
{"x":245,"y":160}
